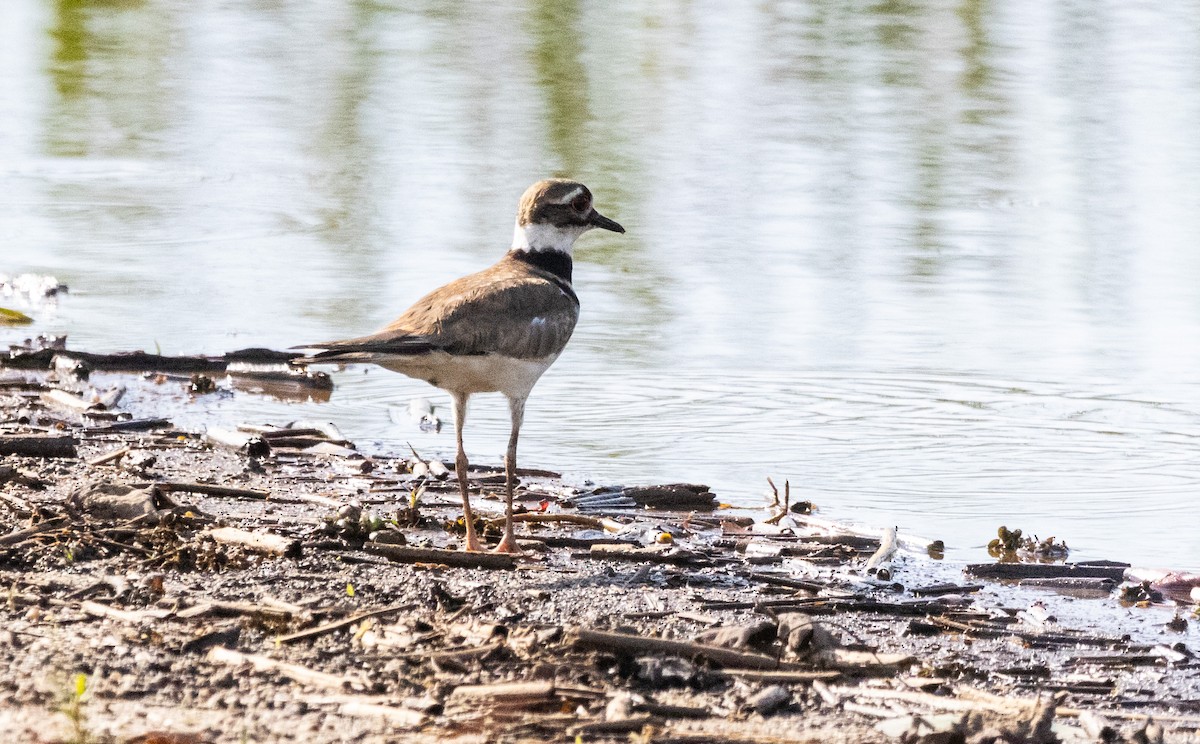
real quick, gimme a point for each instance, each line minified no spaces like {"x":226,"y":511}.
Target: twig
{"x":778,"y":677}
{"x":126,"y":616}
{"x":457,"y":558}
{"x":209,"y":489}
{"x":20,"y":536}
{"x":301,"y":674}
{"x":343,"y":623}
{"x":110,"y":457}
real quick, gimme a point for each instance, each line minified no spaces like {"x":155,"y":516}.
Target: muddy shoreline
{"x":254,"y":582}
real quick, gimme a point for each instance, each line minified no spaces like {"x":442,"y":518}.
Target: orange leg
{"x":460,"y":468}
{"x":508,"y":544}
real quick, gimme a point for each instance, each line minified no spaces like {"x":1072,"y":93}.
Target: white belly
{"x":484,"y":373}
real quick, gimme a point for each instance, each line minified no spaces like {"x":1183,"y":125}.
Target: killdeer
{"x":494,"y":331}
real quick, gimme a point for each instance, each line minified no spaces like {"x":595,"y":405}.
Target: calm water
{"x":935,"y":263}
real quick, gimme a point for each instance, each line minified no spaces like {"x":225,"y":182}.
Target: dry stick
{"x":262,"y":542}
{"x":458,"y":654}
{"x":936,"y":702}
{"x":301,"y":674}
{"x":344,"y":622}
{"x":19,"y":536}
{"x":33,"y":445}
{"x":209,"y":489}
{"x":126,"y":616}
{"x":110,"y":457}
{"x":222,"y":608}
{"x":760,"y":675}
{"x":504,"y":692}
{"x":641,"y":644}
{"x":456,"y":558}
{"x":826,"y":694}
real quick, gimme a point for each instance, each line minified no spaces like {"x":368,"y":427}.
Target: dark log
{"x":33,"y":445}
{"x":140,"y":361}
{"x":1047,"y":571}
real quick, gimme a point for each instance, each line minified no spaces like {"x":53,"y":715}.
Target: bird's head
{"x":553,"y":213}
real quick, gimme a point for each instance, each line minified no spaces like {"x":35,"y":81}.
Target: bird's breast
{"x":478,"y":373}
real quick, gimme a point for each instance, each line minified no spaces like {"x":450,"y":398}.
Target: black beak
{"x":599,"y":220}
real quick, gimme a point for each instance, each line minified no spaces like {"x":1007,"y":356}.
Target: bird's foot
{"x":472,"y":544}
{"x":508,"y":545}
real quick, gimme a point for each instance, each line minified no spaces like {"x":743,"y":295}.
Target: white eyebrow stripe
{"x":571,"y":196}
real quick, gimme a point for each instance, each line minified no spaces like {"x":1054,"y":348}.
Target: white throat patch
{"x":546,"y":237}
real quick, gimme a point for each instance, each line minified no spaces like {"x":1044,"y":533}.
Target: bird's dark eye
{"x":580,"y":203}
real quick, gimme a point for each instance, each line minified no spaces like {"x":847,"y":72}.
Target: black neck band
{"x":553,"y":262}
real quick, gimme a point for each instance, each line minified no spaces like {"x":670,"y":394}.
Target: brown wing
{"x":506,"y":309}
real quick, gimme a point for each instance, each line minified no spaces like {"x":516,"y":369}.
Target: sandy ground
{"x":131,"y":615}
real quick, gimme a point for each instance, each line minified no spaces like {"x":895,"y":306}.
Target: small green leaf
{"x":13,"y":317}
{"x":349,"y":590}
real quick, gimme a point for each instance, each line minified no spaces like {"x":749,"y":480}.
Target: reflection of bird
{"x":494,"y":331}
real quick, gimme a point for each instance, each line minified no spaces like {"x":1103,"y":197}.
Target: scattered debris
{"x":281,"y":584}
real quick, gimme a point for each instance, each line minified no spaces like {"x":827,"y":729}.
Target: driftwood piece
{"x":681,"y":496}
{"x":37,"y":445}
{"x":140,"y":361}
{"x":779,"y":677}
{"x":211,"y":489}
{"x":1099,"y":587}
{"x":62,"y":399}
{"x":295,"y":672}
{"x":636,"y":644}
{"x":261,"y":542}
{"x":223,"y":608}
{"x":1047,"y":570}
{"x":130,"y":425}
{"x":536,"y":691}
{"x":116,"y":454}
{"x":808,"y":586}
{"x":939,"y":590}
{"x":456,"y":558}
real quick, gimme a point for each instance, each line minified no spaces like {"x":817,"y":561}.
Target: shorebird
{"x":496,"y":330}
